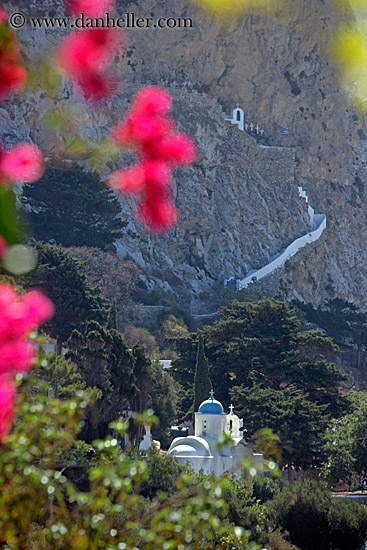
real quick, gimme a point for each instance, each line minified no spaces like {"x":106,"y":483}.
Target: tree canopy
{"x":73,"y":207}
{"x":202,"y":383}
{"x":76,"y":301}
{"x":278,"y":375}
{"x":105,"y":363}
{"x":343,"y":322}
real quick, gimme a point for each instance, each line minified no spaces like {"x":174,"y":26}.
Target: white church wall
{"x":206,"y":424}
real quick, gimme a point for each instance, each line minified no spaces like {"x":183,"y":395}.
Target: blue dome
{"x":211,"y":406}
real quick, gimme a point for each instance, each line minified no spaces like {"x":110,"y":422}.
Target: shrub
{"x":316,"y":521}
{"x":348,"y":524}
{"x":277,"y":542}
{"x":265,"y":488}
{"x":302,"y":510}
{"x":163,"y":476}
{"x":244,"y":511}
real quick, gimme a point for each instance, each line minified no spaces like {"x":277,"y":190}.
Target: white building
{"x":201,"y":450}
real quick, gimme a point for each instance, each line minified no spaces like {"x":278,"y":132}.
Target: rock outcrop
{"x":239,"y":202}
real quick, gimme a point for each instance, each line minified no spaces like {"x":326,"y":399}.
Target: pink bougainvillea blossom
{"x":152,"y":100}
{"x":19,"y":315}
{"x":23,"y":164}
{"x":129,"y":180}
{"x":91,"y":8}
{"x":178,"y":149}
{"x":13,"y":78}
{"x":13,"y":75}
{"x":159,"y":216}
{"x":88,"y":51}
{"x":3,"y":15}
{"x":7,"y":399}
{"x":150,"y":133}
{"x":3,"y":247}
{"x":84,"y":56}
{"x":95,"y":87}
{"x":17,"y":356}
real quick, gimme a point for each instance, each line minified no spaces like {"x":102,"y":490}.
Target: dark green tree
{"x":141,"y":400}
{"x":73,"y":207}
{"x":343,"y":322}
{"x":104,"y":362}
{"x":347,"y":442}
{"x":279,"y":374}
{"x":262,"y":339}
{"x":183,"y":367}
{"x":76,"y":301}
{"x":112,"y":316}
{"x":316,"y":521}
{"x":202,"y":382}
{"x":163,"y":402}
{"x":299,"y":422}
{"x":61,"y":374}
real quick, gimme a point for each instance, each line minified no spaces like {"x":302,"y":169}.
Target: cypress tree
{"x":112,"y":316}
{"x":76,"y":301}
{"x":74,"y":208}
{"x":202,"y":382}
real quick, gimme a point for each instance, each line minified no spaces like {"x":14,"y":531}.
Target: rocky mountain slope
{"x":239,"y":202}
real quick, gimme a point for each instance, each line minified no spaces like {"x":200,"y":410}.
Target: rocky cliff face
{"x":239,"y":202}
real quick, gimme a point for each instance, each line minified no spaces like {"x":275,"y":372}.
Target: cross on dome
{"x":212,"y":394}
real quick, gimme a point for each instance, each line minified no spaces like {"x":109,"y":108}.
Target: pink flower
{"x":20,"y":315}
{"x":84,"y":56}
{"x":87,"y":51}
{"x":7,"y":400}
{"x":157,"y":174}
{"x":3,"y":15}
{"x":151,"y":133}
{"x":91,"y":8}
{"x":95,"y":87}
{"x":178,"y":149}
{"x":3,"y":247}
{"x":13,"y":77}
{"x":129,"y":180}
{"x":152,"y":100}
{"x":16,"y":356}
{"x":23,"y":163}
{"x":138,"y":130}
{"x":158,"y":216}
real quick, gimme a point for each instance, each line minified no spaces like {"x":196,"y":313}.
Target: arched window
{"x":238,"y":116}
{"x":230,"y":425}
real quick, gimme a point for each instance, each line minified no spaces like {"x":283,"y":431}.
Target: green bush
{"x":265,"y":488}
{"x":316,"y":521}
{"x":244,"y":510}
{"x":348,"y":524}
{"x":277,"y":542}
{"x":163,"y":476}
{"x":302,"y":510}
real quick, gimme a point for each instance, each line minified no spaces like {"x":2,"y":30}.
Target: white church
{"x":201,"y":450}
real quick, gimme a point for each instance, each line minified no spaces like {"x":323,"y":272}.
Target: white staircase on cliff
{"x":317,"y":225}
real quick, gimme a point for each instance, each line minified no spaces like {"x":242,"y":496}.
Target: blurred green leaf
{"x":10,"y":226}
